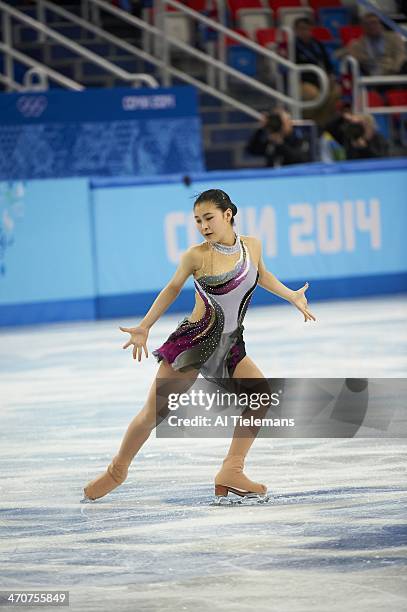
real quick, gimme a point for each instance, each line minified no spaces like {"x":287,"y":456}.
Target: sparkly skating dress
{"x":214,"y":345}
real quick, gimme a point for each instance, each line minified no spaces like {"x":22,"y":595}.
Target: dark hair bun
{"x":219,"y":198}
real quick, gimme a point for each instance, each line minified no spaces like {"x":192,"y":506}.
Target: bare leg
{"x":137,"y":433}
{"x":231,"y":473}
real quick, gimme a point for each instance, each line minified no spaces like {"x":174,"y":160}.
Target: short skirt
{"x":213,"y":359}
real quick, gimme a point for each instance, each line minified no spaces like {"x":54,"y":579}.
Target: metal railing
{"x":360,"y":84}
{"x":161,"y":59}
{"x":12,"y":85}
{"x":164,"y":41}
{"x":390,"y":23}
{"x":9,"y":12}
{"x":43,"y":5}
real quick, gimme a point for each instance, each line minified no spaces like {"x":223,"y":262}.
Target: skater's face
{"x":213,"y":223}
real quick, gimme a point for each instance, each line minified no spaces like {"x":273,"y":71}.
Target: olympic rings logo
{"x":32,"y":106}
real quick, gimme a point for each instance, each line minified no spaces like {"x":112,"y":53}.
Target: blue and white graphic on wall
{"x":119,"y":132}
{"x":91,"y":249}
{"x":11,"y":212}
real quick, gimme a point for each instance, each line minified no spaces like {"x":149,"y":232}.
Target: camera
{"x":354,"y":131}
{"x":274,"y":123}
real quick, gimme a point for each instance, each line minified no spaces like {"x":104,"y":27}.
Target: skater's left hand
{"x":300,"y":301}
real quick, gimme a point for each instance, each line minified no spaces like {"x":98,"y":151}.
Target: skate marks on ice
{"x":157,"y":535}
{"x":159,"y":545}
{"x":335,"y":525}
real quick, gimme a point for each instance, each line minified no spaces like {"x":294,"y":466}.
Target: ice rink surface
{"x":333,"y":538}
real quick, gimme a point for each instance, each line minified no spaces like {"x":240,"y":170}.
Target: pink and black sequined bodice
{"x":214,"y":344}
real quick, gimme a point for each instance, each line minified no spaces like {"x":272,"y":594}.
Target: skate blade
{"x":236,"y":500}
{"x":87,"y":500}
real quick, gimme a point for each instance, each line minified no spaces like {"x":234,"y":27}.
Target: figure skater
{"x":226,"y":268}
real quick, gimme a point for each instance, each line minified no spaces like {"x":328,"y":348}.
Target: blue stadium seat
{"x":242,"y":59}
{"x":383,"y":125}
{"x":334,"y":18}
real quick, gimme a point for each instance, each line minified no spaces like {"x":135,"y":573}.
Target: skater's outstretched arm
{"x":190,"y":261}
{"x":268,"y":281}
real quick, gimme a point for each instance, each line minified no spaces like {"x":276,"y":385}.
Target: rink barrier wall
{"x":84,"y":249}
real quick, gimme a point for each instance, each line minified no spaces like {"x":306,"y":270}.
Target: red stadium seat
{"x":349,"y":33}
{"x":235,"y":5}
{"x":210,"y":9}
{"x":322,"y":34}
{"x":254,"y":19}
{"x":375,"y":99}
{"x":286,"y":12}
{"x":397,"y":98}
{"x":278,"y":4}
{"x":229,"y":41}
{"x":197,"y":5}
{"x":267,"y":36}
{"x":317,"y":4}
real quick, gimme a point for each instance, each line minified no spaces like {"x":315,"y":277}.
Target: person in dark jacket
{"x":277,"y":142}
{"x":362,"y":140}
{"x":308,"y":50}
{"x":336,"y":127}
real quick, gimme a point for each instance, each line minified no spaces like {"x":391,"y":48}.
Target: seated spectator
{"x":310,"y":51}
{"x":276,"y":141}
{"x":336,"y":127}
{"x":362,"y":140}
{"x":378,"y":51}
{"x":351,"y":136}
{"x":332,"y":141}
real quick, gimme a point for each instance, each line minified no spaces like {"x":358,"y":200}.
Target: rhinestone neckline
{"x":226,"y":249}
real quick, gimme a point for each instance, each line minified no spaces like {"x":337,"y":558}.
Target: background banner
{"x":74,"y":249}
{"x":46,"y":260}
{"x":99,"y":132}
{"x":344,"y":230}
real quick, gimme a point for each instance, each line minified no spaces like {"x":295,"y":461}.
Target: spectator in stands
{"x":332,"y":141}
{"x":378,"y":51}
{"x":362,"y":140}
{"x":310,"y":51}
{"x":277,"y":142}
{"x":336,"y":127}
{"x":352,"y":136}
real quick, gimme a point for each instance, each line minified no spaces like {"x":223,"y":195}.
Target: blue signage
{"x":73,"y":249}
{"x":46,"y":263}
{"x":311,"y":226}
{"x":99,"y":132}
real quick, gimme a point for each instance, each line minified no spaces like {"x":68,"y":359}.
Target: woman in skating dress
{"x":226,"y":268}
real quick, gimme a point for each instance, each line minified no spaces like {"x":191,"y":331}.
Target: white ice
{"x":333,"y":537}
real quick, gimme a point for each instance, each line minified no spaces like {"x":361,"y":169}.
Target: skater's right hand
{"x":138,"y":337}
